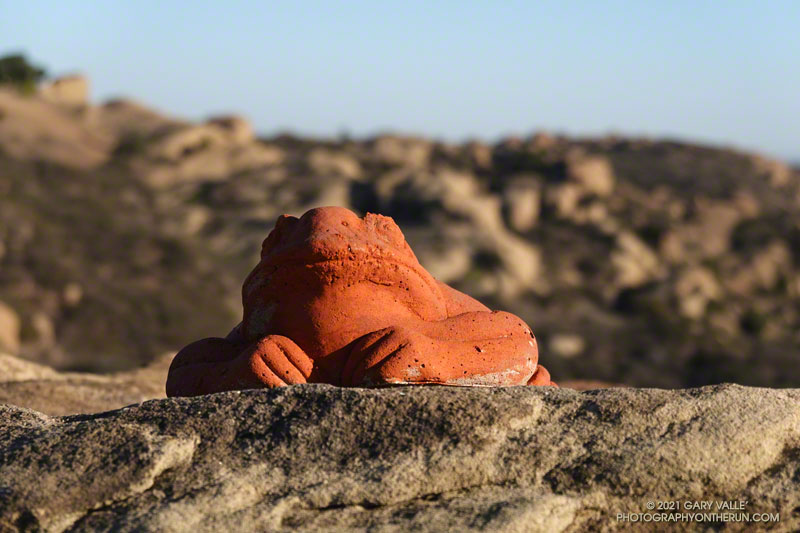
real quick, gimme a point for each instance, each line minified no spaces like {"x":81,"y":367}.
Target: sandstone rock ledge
{"x":321,"y":458}
{"x":51,"y":392}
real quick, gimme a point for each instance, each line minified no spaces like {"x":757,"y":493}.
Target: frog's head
{"x":335,"y":234}
{"x":331,"y":250}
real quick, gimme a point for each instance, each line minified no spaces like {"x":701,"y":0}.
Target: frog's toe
{"x":541,"y":378}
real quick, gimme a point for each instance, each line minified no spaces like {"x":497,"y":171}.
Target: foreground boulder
{"x":318,"y":457}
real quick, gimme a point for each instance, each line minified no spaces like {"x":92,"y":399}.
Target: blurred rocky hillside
{"x":125,"y":233}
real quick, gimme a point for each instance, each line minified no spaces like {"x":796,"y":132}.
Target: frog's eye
{"x":285,"y":221}
{"x":282,"y":227}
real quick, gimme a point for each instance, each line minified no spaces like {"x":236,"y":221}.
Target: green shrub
{"x":16,"y":71}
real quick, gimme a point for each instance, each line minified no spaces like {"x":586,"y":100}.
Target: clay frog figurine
{"x":343,"y":300}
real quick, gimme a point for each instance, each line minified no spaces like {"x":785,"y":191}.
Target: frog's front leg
{"x":473,"y":348}
{"x":215,"y":365}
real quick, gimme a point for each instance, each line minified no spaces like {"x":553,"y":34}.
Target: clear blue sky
{"x":726,"y":72}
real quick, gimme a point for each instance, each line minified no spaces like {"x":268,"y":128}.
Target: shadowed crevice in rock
{"x":311,"y":457}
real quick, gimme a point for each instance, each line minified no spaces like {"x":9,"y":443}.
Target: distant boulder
{"x":237,"y":128}
{"x":9,"y":329}
{"x":71,"y":91}
{"x":403,"y":151}
{"x":593,"y":173}
{"x":324,"y":162}
{"x":522,"y":198}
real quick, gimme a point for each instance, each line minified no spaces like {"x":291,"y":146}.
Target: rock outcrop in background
{"x":125,"y":233}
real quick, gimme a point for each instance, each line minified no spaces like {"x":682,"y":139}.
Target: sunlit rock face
{"x":322,"y":458}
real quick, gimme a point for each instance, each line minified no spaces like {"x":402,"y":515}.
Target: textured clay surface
{"x":343,"y":300}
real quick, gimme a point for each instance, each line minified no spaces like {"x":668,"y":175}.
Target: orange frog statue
{"x":343,"y":300}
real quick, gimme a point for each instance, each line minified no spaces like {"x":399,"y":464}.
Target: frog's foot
{"x":470,"y":349}
{"x":215,"y":365}
{"x":541,"y":378}
{"x":370,"y":353}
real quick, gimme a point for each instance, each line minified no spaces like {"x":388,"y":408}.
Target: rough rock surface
{"x":321,"y":458}
{"x":59,"y":393}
